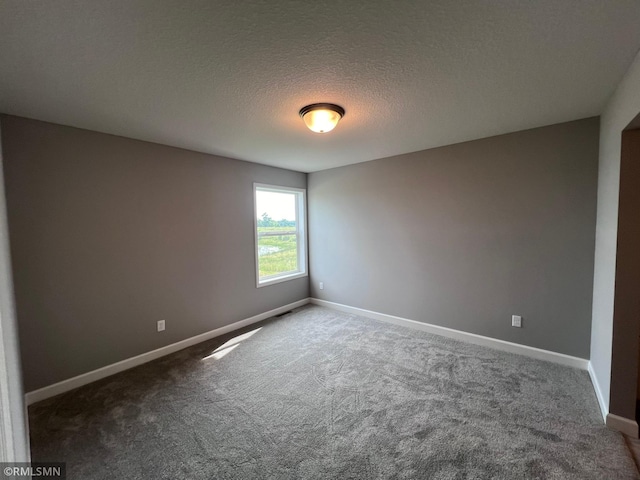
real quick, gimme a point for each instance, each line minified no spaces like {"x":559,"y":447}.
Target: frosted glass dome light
{"x":321,"y":117}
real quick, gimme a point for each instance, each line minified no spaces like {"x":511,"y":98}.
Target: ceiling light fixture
{"x":321,"y":117}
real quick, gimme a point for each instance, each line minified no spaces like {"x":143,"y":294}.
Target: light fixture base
{"x":322,"y":106}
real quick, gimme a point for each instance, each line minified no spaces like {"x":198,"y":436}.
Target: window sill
{"x":281,"y":278}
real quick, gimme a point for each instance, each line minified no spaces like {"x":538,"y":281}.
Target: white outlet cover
{"x":321,"y":285}
{"x":516,"y":321}
{"x":161,"y":325}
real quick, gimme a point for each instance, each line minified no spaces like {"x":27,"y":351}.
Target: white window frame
{"x":301,"y":232}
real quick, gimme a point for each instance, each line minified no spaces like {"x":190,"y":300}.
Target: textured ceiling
{"x":229,"y":77}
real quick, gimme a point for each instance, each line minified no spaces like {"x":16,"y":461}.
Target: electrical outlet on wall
{"x":516,"y":321}
{"x":321,"y":285}
{"x":161,"y":325}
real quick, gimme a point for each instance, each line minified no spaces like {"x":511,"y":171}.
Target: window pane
{"x":277,"y":233}
{"x":277,"y":254}
{"x":276,"y":209}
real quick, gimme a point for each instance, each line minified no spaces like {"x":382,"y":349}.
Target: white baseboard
{"x":624,"y":425}
{"x":604,"y":405}
{"x":532,"y":352}
{"x":85,"y":378}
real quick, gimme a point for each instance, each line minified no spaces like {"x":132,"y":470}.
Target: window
{"x":281,"y":247}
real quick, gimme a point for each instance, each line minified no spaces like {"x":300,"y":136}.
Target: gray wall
{"x":464,"y":236}
{"x":623,"y":106}
{"x":109,"y":235}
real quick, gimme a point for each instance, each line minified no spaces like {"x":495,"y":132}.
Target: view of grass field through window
{"x":277,"y":233}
